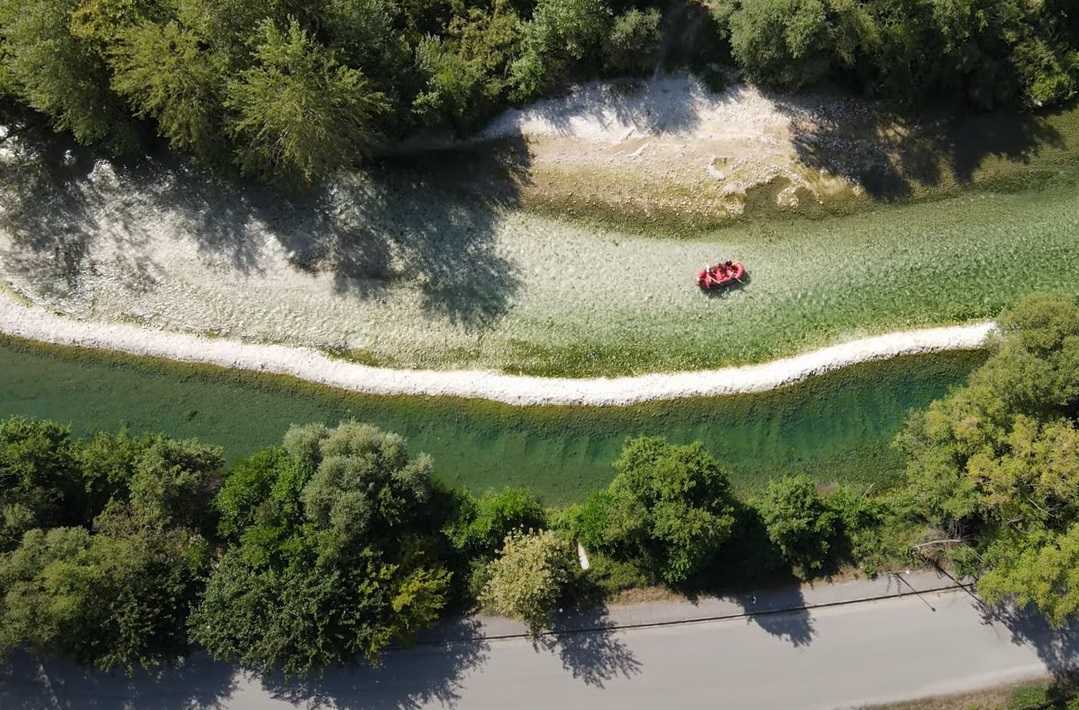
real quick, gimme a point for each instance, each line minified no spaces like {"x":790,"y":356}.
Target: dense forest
{"x":295,"y":89}
{"x":126,"y":551}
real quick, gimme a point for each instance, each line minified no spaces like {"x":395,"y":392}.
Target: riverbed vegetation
{"x":257,"y":555}
{"x":298,"y":89}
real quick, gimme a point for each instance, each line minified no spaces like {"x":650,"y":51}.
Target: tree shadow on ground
{"x":27,"y":683}
{"x":427,"y":222}
{"x":889,"y":155}
{"x":664,"y":104}
{"x":1058,"y":648}
{"x":754,"y":561}
{"x":590,"y":650}
{"x":405,"y":679}
{"x":49,"y":223}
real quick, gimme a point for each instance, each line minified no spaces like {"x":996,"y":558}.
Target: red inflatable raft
{"x":720,"y":275}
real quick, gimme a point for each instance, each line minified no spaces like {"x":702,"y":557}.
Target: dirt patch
{"x":670,"y":152}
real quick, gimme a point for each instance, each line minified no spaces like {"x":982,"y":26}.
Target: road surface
{"x":838,"y":656}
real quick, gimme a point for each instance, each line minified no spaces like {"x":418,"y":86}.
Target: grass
{"x":1029,"y":695}
{"x":813,"y":283}
{"x":836,"y":427}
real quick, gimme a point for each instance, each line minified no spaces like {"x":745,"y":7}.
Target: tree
{"x":116,"y":594}
{"x":1040,"y":569}
{"x":40,"y":482}
{"x":298,"y":111}
{"x":560,"y":34}
{"x":468,"y":69}
{"x":798,"y":521}
{"x":337,"y":556}
{"x":633,"y":44}
{"x":54,"y":73}
{"x":115,"y":598}
{"x":669,"y":507}
{"x":996,"y":463}
{"x":528,"y":577}
{"x":782,"y":42}
{"x":167,"y":72}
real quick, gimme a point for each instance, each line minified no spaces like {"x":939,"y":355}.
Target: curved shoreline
{"x":35,"y":323}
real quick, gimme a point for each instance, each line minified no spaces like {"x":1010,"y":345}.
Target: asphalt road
{"x":843,"y":656}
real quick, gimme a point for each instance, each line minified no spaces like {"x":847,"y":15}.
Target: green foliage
{"x":336,"y":558}
{"x":297,"y":90}
{"x":51,"y":71}
{"x":39,"y":478}
{"x":167,"y":73}
{"x":632,"y":47}
{"x":561,"y":34}
{"x":247,"y":487}
{"x":468,"y":69}
{"x":1061,"y":694}
{"x":784,"y":42}
{"x":997,"y":462}
{"x":299,"y":111}
{"x":1039,"y":568}
{"x":481,"y":526}
{"x":529,"y":577}
{"x":117,"y":596}
{"x":669,"y":508}
{"x":798,"y":521}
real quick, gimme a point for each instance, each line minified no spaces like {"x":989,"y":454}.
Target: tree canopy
{"x":110,"y":553}
{"x":297,"y":90}
{"x":529,"y":577}
{"x":336,"y":558}
{"x":996,"y":464}
{"x":669,"y":508}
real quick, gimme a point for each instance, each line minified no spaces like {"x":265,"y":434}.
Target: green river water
{"x":837,"y":427}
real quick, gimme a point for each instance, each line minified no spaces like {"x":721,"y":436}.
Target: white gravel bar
{"x":38,"y":324}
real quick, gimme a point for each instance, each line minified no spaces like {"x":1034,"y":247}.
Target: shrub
{"x":481,"y":526}
{"x":669,"y":507}
{"x":798,"y":522}
{"x":528,"y":578}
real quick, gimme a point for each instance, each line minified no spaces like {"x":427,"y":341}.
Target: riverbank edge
{"x":37,"y":324}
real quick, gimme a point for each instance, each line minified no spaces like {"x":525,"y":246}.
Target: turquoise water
{"x":836,"y":427}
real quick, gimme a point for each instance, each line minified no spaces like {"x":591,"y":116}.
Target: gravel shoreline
{"x":38,"y":324}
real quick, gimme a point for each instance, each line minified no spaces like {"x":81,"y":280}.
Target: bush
{"x":482,"y":526}
{"x":798,"y":522}
{"x":669,"y":508}
{"x":529,"y":577}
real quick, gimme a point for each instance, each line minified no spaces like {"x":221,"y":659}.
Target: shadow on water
{"x":888,"y":155}
{"x":400,"y":221}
